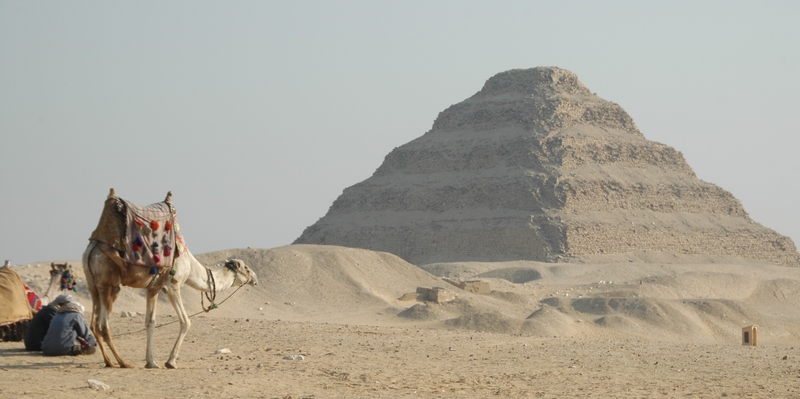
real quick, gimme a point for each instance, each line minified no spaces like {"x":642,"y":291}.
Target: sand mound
{"x":707,"y":302}
{"x":515,"y":275}
{"x":550,"y":321}
{"x":494,"y":322}
{"x":424,"y":312}
{"x":322,"y":282}
{"x":778,"y":292}
{"x":462,"y":270}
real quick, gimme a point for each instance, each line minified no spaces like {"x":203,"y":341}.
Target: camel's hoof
{"x":170,"y":365}
{"x":127,"y":366}
{"x":151,"y":366}
{"x":110,"y":365}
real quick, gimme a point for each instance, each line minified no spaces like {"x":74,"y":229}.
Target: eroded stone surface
{"x":536,"y":167}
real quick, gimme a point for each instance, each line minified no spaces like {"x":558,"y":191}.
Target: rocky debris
{"x":435,"y":294}
{"x":409,"y":296}
{"x":473,"y":286}
{"x":97,"y":385}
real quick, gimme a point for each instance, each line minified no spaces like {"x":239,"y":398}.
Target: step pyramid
{"x":536,"y":167}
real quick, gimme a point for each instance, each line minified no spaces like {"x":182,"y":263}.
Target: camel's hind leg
{"x":107,"y":297}
{"x":103,"y":294}
{"x":96,"y":305}
{"x":95,"y":330}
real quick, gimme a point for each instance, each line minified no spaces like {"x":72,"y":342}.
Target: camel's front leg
{"x":174,"y":295}
{"x":150,"y":325}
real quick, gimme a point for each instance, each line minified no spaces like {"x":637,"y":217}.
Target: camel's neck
{"x":52,"y":289}
{"x":201,"y":279}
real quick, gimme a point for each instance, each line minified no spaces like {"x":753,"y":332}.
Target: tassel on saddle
{"x":139,"y":235}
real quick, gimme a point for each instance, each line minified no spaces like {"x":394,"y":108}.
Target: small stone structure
{"x":750,"y":335}
{"x":435,"y":294}
{"x":473,"y":286}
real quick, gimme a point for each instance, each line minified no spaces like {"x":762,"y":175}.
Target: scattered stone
{"x":98,"y":385}
{"x":476,"y":287}
{"x":222,"y":351}
{"x":293,"y":357}
{"x":409,"y":296}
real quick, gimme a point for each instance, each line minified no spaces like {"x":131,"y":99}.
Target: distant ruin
{"x":536,"y":167}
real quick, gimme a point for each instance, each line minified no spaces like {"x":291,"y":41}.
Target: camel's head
{"x":63,"y":271}
{"x":244,"y":275}
{"x":59,"y":268}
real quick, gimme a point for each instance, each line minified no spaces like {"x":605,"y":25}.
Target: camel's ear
{"x":53,"y":265}
{"x":168,"y":199}
{"x":111,"y":193}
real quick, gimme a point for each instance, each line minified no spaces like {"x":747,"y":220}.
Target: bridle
{"x":212,"y":295}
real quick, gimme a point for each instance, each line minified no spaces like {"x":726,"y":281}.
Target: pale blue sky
{"x":258,"y":114}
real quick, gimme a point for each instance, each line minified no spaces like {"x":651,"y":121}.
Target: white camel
{"x":104,"y":280}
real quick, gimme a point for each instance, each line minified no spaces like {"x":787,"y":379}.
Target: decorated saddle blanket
{"x":145,"y":235}
{"x":33,"y":300}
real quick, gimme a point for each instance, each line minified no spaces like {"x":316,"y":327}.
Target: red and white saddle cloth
{"x":152,"y":234}
{"x":143,"y":235}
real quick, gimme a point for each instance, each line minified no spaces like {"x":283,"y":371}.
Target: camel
{"x":61,"y":278}
{"x":107,"y":271}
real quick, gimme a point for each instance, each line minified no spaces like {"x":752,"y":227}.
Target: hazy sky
{"x":258,"y":114}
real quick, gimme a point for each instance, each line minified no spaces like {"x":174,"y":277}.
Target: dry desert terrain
{"x":635,"y":326}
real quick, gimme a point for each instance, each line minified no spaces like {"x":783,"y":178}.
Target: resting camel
{"x":106,"y":272}
{"x":20,"y":301}
{"x":58,"y":271}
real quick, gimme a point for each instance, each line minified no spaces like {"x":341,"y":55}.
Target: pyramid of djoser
{"x":536,"y":167}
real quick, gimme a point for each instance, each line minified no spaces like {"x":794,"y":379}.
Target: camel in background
{"x":61,"y":279}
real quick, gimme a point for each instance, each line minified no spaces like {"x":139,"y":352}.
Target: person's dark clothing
{"x":38,"y":326}
{"x":65,"y":333}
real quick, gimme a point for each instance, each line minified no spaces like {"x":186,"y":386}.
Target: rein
{"x":211,"y":296}
{"x":205,"y":310}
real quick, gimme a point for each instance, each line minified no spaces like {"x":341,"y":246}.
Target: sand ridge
{"x":619,"y":329}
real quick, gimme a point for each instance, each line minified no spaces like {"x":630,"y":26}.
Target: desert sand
{"x":639,"y":325}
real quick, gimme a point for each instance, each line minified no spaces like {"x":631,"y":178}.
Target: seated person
{"x":68,"y":333}
{"x":41,"y":322}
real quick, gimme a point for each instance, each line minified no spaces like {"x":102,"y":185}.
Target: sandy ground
{"x":599,"y":330}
